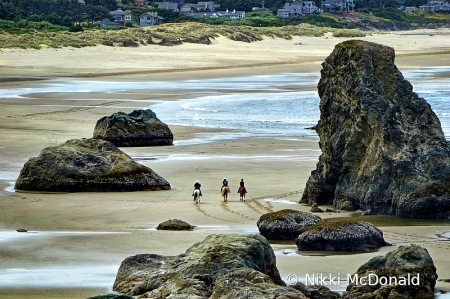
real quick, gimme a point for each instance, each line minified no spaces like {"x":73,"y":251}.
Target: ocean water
{"x":282,"y":113}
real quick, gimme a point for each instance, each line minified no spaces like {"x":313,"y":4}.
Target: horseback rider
{"x":224,"y":184}
{"x":197,"y":186}
{"x":241,"y":185}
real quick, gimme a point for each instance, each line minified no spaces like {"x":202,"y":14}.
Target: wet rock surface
{"x":81,"y":165}
{"x":285,"y":224}
{"x":174,"y":224}
{"x":316,"y":291}
{"x":382,"y":146}
{"x":221,"y":266}
{"x":139,"y":128}
{"x":341,"y":235}
{"x":409,"y":260}
{"x":112,"y":296}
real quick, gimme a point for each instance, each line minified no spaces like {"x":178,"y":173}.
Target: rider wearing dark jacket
{"x":241,"y":185}
{"x":224,"y":183}
{"x":197,"y":185}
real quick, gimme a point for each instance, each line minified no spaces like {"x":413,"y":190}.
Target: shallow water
{"x":12,"y":235}
{"x":385,"y":220}
{"x":81,"y":276}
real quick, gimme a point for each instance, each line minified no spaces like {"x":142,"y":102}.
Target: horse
{"x":225,"y":191}
{"x":242,"y":192}
{"x":196,"y":195}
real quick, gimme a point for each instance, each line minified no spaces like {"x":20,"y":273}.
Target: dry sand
{"x":271,"y":177}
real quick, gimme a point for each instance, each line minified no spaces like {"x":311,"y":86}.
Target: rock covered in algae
{"x":382,"y":146}
{"x":174,"y":224}
{"x":221,"y":266}
{"x":341,"y":235}
{"x":81,"y":165}
{"x":407,"y":272}
{"x":139,"y":128}
{"x":285,"y":224}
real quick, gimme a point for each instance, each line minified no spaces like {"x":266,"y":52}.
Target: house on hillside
{"x":228,"y":14}
{"x":150,"y":19}
{"x":121,"y":17}
{"x":169,"y":6}
{"x":291,"y":10}
{"x":139,"y":2}
{"x":410,"y":8}
{"x":106,"y":23}
{"x":200,"y":6}
{"x":337,"y":5}
{"x":436,"y":5}
{"x":310,"y":7}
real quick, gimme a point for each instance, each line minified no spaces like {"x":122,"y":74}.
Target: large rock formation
{"x":285,"y":224}
{"x":341,"y":235}
{"x":382,"y":146}
{"x":221,"y":266}
{"x":397,"y":273}
{"x":139,"y":128}
{"x":174,"y":224}
{"x":81,"y":165}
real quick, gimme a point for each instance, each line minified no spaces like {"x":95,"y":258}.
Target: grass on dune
{"x":167,"y":34}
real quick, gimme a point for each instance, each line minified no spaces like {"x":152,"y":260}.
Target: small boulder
{"x":174,"y":224}
{"x":285,"y":224}
{"x":139,"y":128}
{"x":315,"y":208}
{"x":87,"y":165}
{"x":406,"y":261}
{"x":341,"y":235}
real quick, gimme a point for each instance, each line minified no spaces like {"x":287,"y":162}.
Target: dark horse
{"x":242,"y":192}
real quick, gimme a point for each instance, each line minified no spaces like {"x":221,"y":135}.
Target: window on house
{"x":118,"y":18}
{"x":128,"y":18}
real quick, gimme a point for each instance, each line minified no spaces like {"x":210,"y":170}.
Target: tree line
{"x":58,"y":12}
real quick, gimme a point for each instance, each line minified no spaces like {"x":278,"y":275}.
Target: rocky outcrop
{"x":221,"y":266}
{"x":81,"y":165}
{"x":139,"y":128}
{"x":403,"y":266}
{"x":382,"y":146}
{"x":285,"y":224}
{"x":341,"y":235}
{"x":174,"y":224}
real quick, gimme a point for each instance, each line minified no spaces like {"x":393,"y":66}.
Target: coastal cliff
{"x":382,"y":146}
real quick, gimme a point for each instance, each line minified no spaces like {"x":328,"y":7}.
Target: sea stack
{"x":82,"y":165}
{"x":139,"y":128}
{"x":383,"y":147}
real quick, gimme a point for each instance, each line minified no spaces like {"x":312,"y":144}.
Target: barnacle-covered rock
{"x":139,"y":128}
{"x":87,"y":165}
{"x":341,"y":235}
{"x":407,"y":272}
{"x":285,"y":224}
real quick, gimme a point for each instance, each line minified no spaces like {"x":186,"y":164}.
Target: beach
{"x":76,"y":241}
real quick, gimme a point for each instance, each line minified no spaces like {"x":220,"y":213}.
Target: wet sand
{"x":274,"y":170}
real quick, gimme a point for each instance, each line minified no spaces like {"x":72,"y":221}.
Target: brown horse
{"x":242,"y":192}
{"x":225,"y":191}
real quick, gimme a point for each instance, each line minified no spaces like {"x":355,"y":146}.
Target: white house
{"x":150,"y":19}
